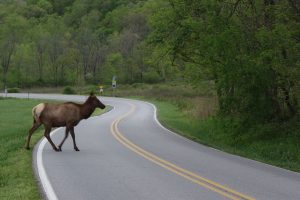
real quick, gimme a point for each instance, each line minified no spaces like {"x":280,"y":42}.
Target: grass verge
{"x":16,"y":174}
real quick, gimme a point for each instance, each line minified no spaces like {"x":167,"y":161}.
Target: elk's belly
{"x":58,"y":124}
{"x":64,"y":123}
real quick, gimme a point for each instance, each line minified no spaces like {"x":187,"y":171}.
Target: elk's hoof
{"x":56,"y":149}
{"x":76,"y":149}
{"x":59,"y":148}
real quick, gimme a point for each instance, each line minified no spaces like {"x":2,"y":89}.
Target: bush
{"x":13,"y":90}
{"x":68,"y":90}
{"x":152,"y":77}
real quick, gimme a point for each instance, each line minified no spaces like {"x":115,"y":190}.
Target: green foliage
{"x":250,"y":50}
{"x":152,"y":77}
{"x":68,"y":90}
{"x":74,"y":42}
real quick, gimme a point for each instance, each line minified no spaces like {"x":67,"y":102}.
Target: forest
{"x":248,"y":50}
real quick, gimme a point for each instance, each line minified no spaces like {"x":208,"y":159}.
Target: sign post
{"x":114,"y":84}
{"x":5,"y":91}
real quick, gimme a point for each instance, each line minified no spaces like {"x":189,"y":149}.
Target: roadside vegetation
{"x":275,"y":143}
{"x":16,"y":174}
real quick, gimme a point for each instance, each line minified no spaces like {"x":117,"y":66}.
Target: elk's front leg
{"x":47,"y":135}
{"x":73,"y":137}
{"x":62,"y":142}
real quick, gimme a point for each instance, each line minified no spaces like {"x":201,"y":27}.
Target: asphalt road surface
{"x":125,"y":154}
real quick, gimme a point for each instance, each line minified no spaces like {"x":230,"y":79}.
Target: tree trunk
{"x":292,"y":108}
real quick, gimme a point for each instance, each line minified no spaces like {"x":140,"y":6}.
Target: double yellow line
{"x":195,"y":178}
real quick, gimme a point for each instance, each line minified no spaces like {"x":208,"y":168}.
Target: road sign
{"x":114,"y":84}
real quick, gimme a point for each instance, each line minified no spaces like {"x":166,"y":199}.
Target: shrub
{"x":68,"y":90}
{"x":13,"y":90}
{"x":152,"y":77}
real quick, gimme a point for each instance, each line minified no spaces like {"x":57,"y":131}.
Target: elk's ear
{"x":92,"y":93}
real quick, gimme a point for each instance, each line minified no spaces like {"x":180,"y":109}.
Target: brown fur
{"x":68,"y":114}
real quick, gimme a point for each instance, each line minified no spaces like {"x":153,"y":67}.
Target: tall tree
{"x":11,"y":31}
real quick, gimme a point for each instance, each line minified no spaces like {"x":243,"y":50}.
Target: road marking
{"x":50,"y":194}
{"x":211,"y":185}
{"x":160,"y":125}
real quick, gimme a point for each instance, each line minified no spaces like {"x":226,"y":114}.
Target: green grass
{"x":16,"y":174}
{"x":268,"y":144}
{"x":100,"y":111}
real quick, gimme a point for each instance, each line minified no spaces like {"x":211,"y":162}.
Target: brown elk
{"x":67,"y":114}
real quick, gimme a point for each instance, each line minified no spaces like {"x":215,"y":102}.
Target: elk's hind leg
{"x":35,"y":126}
{"x":62,"y":142}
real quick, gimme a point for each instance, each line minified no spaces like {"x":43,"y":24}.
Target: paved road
{"x":125,"y":154}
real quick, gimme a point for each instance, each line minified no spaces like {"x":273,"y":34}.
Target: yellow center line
{"x":211,"y":185}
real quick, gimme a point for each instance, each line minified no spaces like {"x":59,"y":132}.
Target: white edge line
{"x":50,"y":194}
{"x":158,"y":122}
{"x":155,"y":117}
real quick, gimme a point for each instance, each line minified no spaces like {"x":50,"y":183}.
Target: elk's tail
{"x":37,"y":111}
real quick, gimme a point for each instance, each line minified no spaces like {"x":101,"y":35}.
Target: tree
{"x":40,"y":42}
{"x":10,"y":35}
{"x":57,"y":46}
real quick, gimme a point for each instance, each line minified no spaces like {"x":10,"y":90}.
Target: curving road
{"x":126,"y":154}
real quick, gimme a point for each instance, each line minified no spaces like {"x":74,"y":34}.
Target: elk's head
{"x":95,"y":101}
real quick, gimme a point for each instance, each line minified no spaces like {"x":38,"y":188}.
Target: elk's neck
{"x":86,"y":111}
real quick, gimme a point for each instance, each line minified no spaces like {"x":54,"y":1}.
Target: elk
{"x":67,"y":115}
